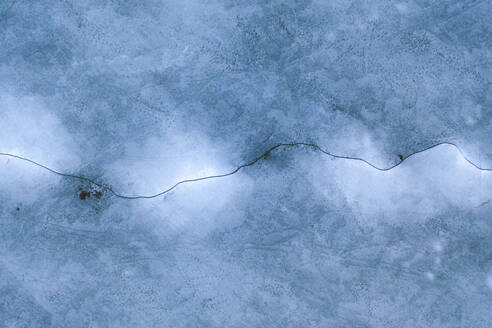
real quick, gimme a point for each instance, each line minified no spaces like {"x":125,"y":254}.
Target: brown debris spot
{"x":84,"y":194}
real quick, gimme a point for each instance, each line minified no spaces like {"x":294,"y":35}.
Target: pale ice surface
{"x":138,"y":95}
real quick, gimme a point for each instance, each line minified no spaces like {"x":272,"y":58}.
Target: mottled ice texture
{"x":141,"y":94}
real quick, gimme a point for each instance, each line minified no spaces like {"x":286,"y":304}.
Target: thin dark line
{"x":250,"y":163}
{"x":6,"y":10}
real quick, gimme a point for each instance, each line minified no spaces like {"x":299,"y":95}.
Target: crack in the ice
{"x":265,"y":155}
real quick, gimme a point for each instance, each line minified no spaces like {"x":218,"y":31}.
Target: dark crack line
{"x":251,"y":163}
